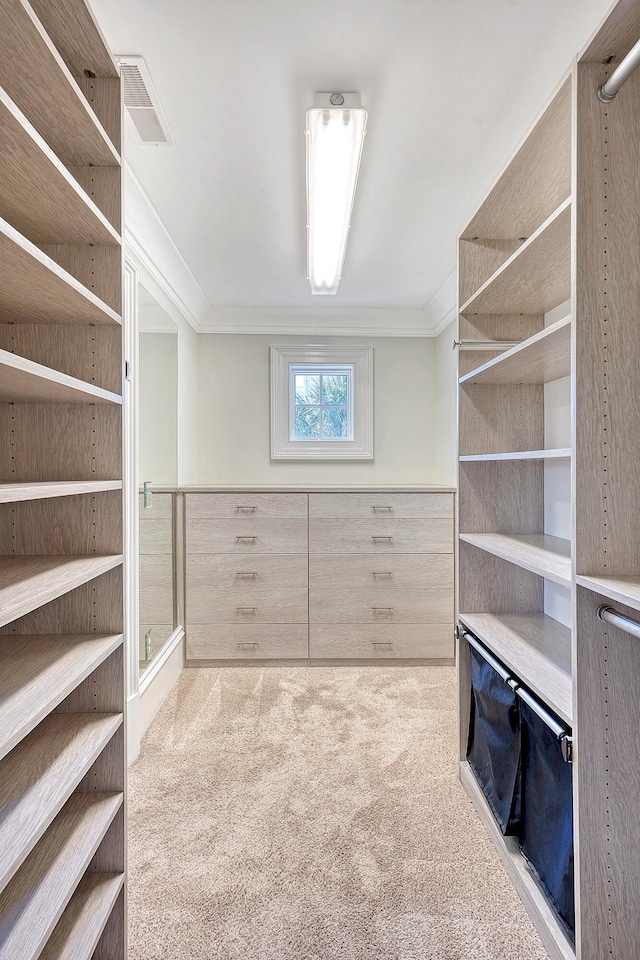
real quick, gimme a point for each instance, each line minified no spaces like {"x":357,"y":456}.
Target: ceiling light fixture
{"x":336,"y":126}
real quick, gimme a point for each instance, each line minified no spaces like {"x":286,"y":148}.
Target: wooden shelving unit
{"x":62,"y":669}
{"x":548,"y":431}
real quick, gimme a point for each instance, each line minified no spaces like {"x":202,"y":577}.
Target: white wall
{"x":158,"y":378}
{"x":446,"y":361}
{"x":233,"y":437}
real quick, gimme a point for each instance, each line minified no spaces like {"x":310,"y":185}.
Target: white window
{"x":321,"y":402}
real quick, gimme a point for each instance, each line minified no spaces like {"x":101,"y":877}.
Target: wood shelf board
{"x":34,"y":74}
{"x":537,"y":649}
{"x":536,"y":179}
{"x":33,"y":902}
{"x":536,"y":278}
{"x":80,"y":926}
{"x":77,"y":36}
{"x":24,"y":381}
{"x":624,"y":590}
{"x":614,"y":36}
{"x":27,"y":583}
{"x":551,"y":932}
{"x":50,"y":490}
{"x":540,"y":359}
{"x":547,"y":556}
{"x":562,"y":453}
{"x":35,"y":289}
{"x":38,"y":672}
{"x":40,"y":774}
{"x":38,"y":195}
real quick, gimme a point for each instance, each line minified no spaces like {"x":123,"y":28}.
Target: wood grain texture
{"x":232,"y":506}
{"x":479,"y":259}
{"x":113,"y":942}
{"x":81,"y":925}
{"x":30,"y":582}
{"x":156,"y":589}
{"x":36,"y":289}
{"x":540,"y":359}
{"x":536,"y":278}
{"x":380,"y":605}
{"x":428,"y":572}
{"x":373,"y":506}
{"x":503,"y":497}
{"x":86,"y":525}
{"x":103,"y":95}
{"x":98,"y":269}
{"x":498,"y":417}
{"x":253,"y":605}
{"x":487,"y":584}
{"x":383,"y":642}
{"x":38,"y":672}
{"x":17,"y":492}
{"x":615,"y":36}
{"x":561,"y":453}
{"x":103,"y":186}
{"x":537,"y":649}
{"x":33,"y":902}
{"x":220,"y":572}
{"x":156,"y":536}
{"x":161,"y":507}
{"x":36,"y":77}
{"x":38,"y":195}
{"x":622,"y":589}
{"x":546,"y":556}
{"x":246,"y":535}
{"x":39,"y":776}
{"x":234,"y":641}
{"x":23,"y":381}
{"x":536,"y":179}
{"x":380,"y":537}
{"x":77,"y":36}
{"x":102,"y":692}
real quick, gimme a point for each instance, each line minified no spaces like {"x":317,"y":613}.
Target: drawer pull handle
{"x":380,"y":509}
{"x":246,"y":611}
{"x":246,"y":575}
{"x":386,"y":610}
{"x":243,"y":539}
{"x":246,"y":509}
{"x":382,"y":643}
{"x":247,"y":643}
{"x":387,"y":574}
{"x":378,"y":537}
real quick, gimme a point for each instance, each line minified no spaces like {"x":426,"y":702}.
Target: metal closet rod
{"x":628,"y":624}
{"x":486,"y":344}
{"x":610,"y":87}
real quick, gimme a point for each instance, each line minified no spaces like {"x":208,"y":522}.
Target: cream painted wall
{"x":158,"y":373}
{"x":446,"y":363}
{"x":233,"y":414}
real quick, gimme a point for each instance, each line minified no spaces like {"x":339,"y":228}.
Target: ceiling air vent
{"x":141,"y":101}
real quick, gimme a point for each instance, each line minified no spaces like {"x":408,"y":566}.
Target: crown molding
{"x":313,"y":322}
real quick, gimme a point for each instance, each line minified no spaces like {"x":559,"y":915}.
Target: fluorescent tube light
{"x":336,"y":125}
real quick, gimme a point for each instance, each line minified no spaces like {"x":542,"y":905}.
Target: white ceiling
{"x":450,"y":88}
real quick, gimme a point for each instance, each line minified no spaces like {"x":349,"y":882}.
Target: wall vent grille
{"x":141,"y":101}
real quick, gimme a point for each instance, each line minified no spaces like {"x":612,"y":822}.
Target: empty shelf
{"x":35,"y":289}
{"x":24,"y":381}
{"x":549,"y":557}
{"x":82,"y":48}
{"x":38,"y":195}
{"x":80,"y":926}
{"x":536,"y":277}
{"x":623,"y":589}
{"x":39,"y":776}
{"x":49,"y":490}
{"x":27,"y":583}
{"x":33,"y":902}
{"x":544,"y":357}
{"x":38,"y":672}
{"x":562,"y":453}
{"x":537,"y":649}
{"x":51,"y":98}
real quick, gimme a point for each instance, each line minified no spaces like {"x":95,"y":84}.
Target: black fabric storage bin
{"x":493,"y":748}
{"x":546,"y":835}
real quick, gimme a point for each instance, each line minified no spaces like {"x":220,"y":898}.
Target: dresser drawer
{"x":392,"y":642}
{"x":230,"y":641}
{"x":251,"y":605}
{"x":381,"y":606}
{"x":380,"y":505}
{"x":156,"y":536}
{"x":401,"y":572}
{"x":156,"y":589}
{"x":246,"y":535}
{"x":161,"y":507}
{"x":213,"y":572}
{"x":229,"y":506}
{"x":382,"y":537}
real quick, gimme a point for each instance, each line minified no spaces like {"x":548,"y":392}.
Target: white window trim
{"x":361,"y":446}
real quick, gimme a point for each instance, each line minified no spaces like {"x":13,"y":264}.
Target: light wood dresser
{"x":319,"y":577}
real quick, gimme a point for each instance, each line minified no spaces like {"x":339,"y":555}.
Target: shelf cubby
{"x":40,"y":774}
{"x":544,"y":555}
{"x":24,"y":381}
{"x":33,"y":901}
{"x":80,"y":927}
{"x":624,"y":590}
{"x":544,"y":357}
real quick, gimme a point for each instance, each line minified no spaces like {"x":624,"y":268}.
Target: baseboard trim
{"x":316,"y":662}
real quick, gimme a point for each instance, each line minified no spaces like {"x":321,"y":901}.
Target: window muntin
{"x":321,"y":403}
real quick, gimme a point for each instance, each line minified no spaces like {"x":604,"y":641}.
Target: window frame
{"x":359,"y":360}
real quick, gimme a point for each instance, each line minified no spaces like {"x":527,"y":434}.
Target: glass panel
{"x":335,"y":422}
{"x":307,"y":425}
{"x":335,"y":388}
{"x":156,"y":576}
{"x":307,"y":388}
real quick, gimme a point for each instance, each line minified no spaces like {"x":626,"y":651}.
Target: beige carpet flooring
{"x":313,"y":814}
